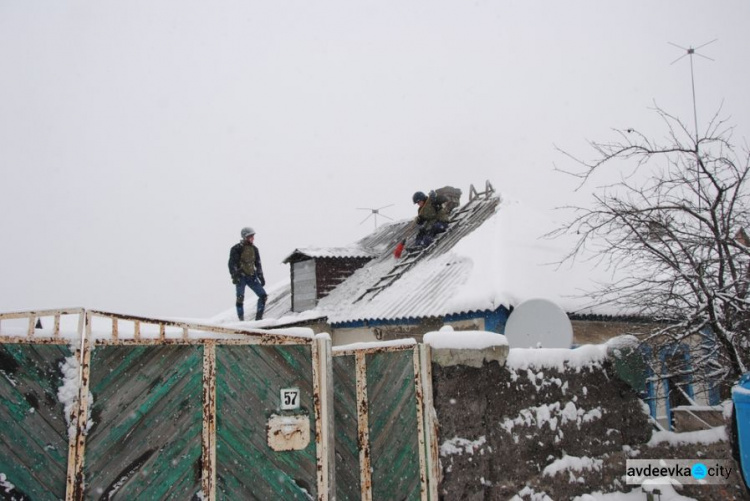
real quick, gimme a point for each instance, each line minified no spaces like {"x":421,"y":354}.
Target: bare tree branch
{"x":675,"y":229}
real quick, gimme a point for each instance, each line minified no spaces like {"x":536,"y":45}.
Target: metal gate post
{"x":430,"y":423}
{"x":79,"y":415}
{"x":208,"y":445}
{"x":363,"y":427}
{"x":326,"y":449}
{"x":419,"y":393}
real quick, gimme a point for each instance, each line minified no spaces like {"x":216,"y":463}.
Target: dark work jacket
{"x":235,"y":264}
{"x":429,"y":214}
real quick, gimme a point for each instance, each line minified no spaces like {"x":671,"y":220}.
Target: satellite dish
{"x":539,"y":323}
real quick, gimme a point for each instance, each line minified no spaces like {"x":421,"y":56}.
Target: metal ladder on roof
{"x":404,"y":265}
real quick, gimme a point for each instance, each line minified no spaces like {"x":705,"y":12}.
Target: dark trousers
{"x":426,"y":233}
{"x":255,"y":286}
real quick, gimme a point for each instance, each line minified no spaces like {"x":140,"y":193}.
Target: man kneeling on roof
{"x":432,"y":217}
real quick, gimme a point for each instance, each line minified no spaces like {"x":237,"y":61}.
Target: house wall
{"x":353,"y":335}
{"x":303,"y":285}
{"x":658,"y":388}
{"x":664,"y":396}
{"x":599,"y":331}
{"x":687,"y":417}
{"x":660,"y":393}
{"x":417,"y":330}
{"x":383,"y":332}
{"x":330,"y":272}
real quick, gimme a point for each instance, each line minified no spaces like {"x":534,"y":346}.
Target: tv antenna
{"x":374,"y":213}
{"x":691,"y":51}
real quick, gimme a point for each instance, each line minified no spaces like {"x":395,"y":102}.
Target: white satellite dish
{"x":539,"y":322}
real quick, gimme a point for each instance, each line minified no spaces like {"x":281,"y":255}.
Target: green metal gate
{"x":384,"y":424}
{"x":171,"y":410}
{"x":147,"y":415}
{"x":168,"y":411}
{"x":248,"y":382}
{"x":34,"y":435}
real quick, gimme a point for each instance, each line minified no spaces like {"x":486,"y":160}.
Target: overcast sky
{"x":137,"y":138}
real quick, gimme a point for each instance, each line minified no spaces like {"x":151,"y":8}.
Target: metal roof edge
{"x":298,"y":323}
{"x":375,"y":322}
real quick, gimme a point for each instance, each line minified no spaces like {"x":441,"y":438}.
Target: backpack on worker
{"x":448,"y":197}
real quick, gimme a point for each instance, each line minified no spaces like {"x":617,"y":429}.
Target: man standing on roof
{"x":246,"y":270}
{"x":432,"y":217}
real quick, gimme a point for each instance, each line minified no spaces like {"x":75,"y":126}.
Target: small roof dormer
{"x":314,"y":272}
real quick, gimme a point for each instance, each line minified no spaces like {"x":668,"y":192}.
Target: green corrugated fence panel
{"x":145,"y":442}
{"x":345,"y":425}
{"x":249,"y":379}
{"x":34,"y":433}
{"x":394,"y":431}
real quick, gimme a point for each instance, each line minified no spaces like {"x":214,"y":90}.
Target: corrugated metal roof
{"x":354,"y":251}
{"x":422,"y":292}
{"x":422,"y":289}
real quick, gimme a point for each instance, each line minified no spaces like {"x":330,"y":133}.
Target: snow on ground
{"x":551,"y":415}
{"x":572,"y":464}
{"x":532,"y":494}
{"x":709,"y":436}
{"x":460,"y":446}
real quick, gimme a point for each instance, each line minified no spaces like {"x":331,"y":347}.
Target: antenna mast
{"x":690,"y":51}
{"x":374,"y":213}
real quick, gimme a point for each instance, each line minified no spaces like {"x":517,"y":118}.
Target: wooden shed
{"x":316,"y":272}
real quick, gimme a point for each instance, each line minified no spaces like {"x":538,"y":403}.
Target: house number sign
{"x":290,"y":398}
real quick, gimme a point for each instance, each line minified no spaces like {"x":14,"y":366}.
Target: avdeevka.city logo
{"x":683,"y":471}
{"x":699,"y":471}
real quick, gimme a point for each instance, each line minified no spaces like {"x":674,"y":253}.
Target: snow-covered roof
{"x":496,"y":257}
{"x":355,"y":251}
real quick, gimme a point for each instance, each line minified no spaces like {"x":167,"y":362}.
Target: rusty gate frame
{"x":426,"y":416}
{"x":322,"y":377}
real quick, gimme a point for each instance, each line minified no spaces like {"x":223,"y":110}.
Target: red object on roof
{"x":398,"y":250}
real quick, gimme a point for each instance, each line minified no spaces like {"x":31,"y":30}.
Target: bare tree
{"x":676,"y":227}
